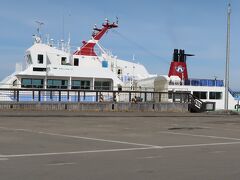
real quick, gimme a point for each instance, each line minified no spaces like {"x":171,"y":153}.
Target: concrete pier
{"x":49,"y":145}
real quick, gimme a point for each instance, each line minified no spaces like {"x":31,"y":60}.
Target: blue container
{"x":105,"y":64}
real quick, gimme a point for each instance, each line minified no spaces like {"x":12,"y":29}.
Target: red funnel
{"x":178,"y":65}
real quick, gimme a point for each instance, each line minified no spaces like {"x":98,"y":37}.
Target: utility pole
{"x":227,"y":57}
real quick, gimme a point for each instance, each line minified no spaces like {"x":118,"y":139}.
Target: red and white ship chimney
{"x":178,"y":65}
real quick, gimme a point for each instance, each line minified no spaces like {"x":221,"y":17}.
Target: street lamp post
{"x":227,"y":57}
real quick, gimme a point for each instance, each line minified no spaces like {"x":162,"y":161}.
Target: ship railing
{"x":75,"y":87}
{"x":65,"y":95}
{"x":203,"y":82}
{"x":235,"y":94}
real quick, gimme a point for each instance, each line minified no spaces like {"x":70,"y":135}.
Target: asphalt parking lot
{"x":117,"y":146}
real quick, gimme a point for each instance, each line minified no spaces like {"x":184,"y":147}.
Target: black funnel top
{"x":180,"y":56}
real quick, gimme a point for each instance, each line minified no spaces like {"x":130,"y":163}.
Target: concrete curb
{"x":97,"y":107}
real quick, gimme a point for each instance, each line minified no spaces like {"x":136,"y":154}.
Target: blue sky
{"x":149,"y":29}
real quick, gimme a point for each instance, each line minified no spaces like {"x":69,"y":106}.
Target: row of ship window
{"x":63,"y":84}
{"x":203,"y":95}
{"x":199,"y":94}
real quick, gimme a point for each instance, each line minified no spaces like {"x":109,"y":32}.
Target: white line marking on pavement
{"x":199,"y":145}
{"x":200,"y":135}
{"x":61,"y":164}
{"x":208,"y":127}
{"x":78,"y":137}
{"x":76,"y":152}
{"x":190,"y":125}
{"x":224,"y":129}
{"x":96,"y":139}
{"x":117,"y":150}
{"x":150,"y":157}
{"x":217,"y":152}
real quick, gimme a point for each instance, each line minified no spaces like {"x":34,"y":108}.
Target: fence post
{"x":39,"y":95}
{"x":145,"y":97}
{"x":78,"y":96}
{"x":130,"y":97}
{"x":96,"y":96}
{"x":114,"y":97}
{"x":84,"y":95}
{"x":14,"y":94}
{"x":67,"y":95}
{"x":33,"y":95}
{"x":59,"y":96}
{"x":51,"y":95}
{"x":18,"y":95}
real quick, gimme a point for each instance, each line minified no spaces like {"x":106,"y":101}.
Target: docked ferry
{"x":55,"y":67}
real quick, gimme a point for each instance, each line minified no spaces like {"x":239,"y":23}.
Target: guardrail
{"x":60,"y":95}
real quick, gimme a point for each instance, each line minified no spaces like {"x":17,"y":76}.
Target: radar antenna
{"x":39,"y":24}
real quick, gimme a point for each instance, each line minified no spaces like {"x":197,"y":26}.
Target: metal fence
{"x":60,"y":95}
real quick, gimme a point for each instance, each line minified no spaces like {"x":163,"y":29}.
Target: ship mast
{"x":227,"y":57}
{"x":87,"y":48}
{"x":39,"y":24}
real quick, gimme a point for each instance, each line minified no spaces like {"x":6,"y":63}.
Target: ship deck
{"x":73,"y":145}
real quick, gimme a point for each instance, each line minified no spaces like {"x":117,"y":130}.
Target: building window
{"x":39,"y":69}
{"x":76,"y":84}
{"x":106,"y":85}
{"x":76,"y":62}
{"x":97,"y":85}
{"x":57,"y":84}
{"x":102,"y":85}
{"x":31,"y":83}
{"x":200,"y":94}
{"x":40,"y":58}
{"x":178,"y":94}
{"x":37,"y":83}
{"x":80,"y":84}
{"x":215,"y":95}
{"x":85,"y":84}
{"x":26,"y":83}
{"x":63,"y":61}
